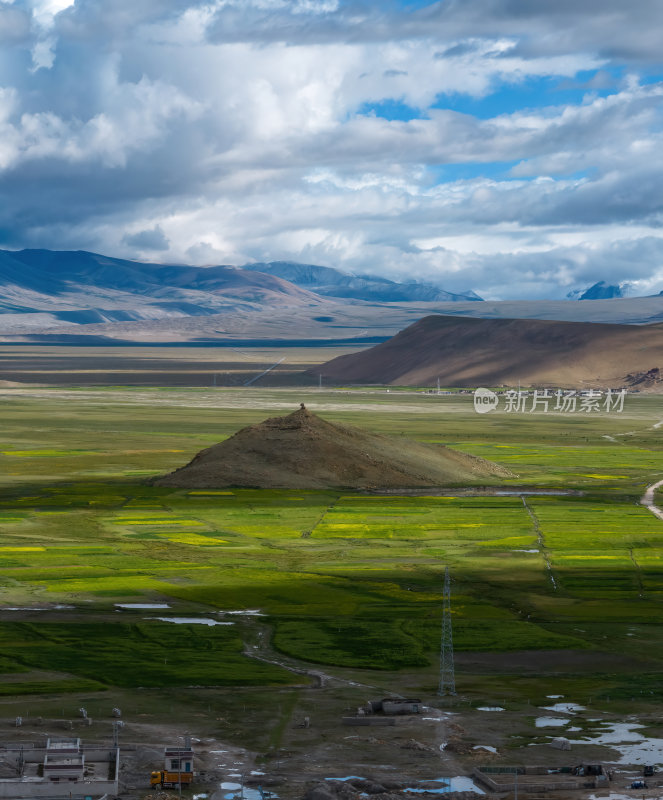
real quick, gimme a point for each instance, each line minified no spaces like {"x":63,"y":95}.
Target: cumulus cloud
{"x":525,"y":163}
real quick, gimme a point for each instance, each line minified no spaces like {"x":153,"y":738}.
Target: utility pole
{"x":447,"y":674}
{"x":187,"y":746}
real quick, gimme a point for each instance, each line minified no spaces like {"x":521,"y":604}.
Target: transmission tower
{"x":447,"y":676}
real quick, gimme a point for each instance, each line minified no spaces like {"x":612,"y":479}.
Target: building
{"x":395,"y":705}
{"x":62,"y":769}
{"x":178,"y":759}
{"x":64,"y":760}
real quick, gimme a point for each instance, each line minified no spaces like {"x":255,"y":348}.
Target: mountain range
{"x":75,"y":296}
{"x":82,"y":287}
{"x":46,"y":287}
{"x":330,"y":282}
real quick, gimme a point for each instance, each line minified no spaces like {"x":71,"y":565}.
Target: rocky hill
{"x":505,"y":352}
{"x":303,"y":451}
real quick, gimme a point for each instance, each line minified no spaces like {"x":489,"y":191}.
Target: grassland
{"x":346,"y":580}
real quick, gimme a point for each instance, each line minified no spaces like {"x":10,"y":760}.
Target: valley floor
{"x":320,"y":600}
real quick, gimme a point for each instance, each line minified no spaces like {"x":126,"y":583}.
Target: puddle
{"x":564,"y":708}
{"x":551,"y":722}
{"x":524,"y":551}
{"x":554,"y":696}
{"x":631,"y":744}
{"x":129,"y":606}
{"x":487,"y":747}
{"x":490,"y":708}
{"x":463,"y":784}
{"x":191,"y":620}
{"x":235,"y":791}
{"x":246,"y":793}
{"x":460,"y":783}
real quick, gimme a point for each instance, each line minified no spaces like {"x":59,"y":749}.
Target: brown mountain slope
{"x":496,"y":352}
{"x":302,"y":451}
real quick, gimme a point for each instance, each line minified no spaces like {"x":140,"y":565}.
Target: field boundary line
{"x":540,"y":542}
{"x":638,"y":573}
{"x":308,"y":533}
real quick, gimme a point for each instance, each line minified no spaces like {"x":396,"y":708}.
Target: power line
{"x":447,"y":675}
{"x":253,"y":380}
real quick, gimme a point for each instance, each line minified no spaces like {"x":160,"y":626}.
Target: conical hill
{"x":303,"y":451}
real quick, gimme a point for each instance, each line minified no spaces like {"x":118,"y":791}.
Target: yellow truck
{"x":170,"y":780}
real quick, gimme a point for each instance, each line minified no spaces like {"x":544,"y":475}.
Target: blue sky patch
{"x":532,"y":93}
{"x":448,"y":173}
{"x":392,"y":110}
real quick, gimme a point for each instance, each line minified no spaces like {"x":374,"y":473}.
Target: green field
{"x":343,"y":579}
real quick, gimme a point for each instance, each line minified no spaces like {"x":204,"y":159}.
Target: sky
{"x":512,"y":147}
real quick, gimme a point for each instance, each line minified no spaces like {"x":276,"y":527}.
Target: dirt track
{"x":647,"y":499}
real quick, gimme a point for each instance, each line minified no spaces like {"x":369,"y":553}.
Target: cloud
{"x":149,"y":239}
{"x":547,"y":273}
{"x":608,"y":28}
{"x":134,"y":117}
{"x":235,"y":130}
{"x":14,"y":24}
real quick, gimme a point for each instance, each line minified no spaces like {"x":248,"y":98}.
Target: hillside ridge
{"x":467,"y":352}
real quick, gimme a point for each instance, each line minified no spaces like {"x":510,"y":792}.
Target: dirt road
{"x":647,"y":499}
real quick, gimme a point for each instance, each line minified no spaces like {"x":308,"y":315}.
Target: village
{"x":425,"y":749}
